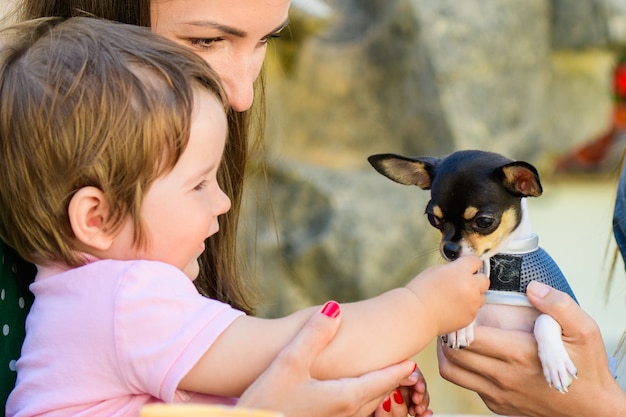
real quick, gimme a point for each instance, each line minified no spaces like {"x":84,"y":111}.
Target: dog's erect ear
{"x":521,"y":178}
{"x":405,"y":170}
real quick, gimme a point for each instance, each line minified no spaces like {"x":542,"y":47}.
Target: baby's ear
{"x":88,"y":212}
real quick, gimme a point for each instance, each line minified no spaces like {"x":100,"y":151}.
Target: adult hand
{"x":287,"y":386}
{"x":419,"y":397}
{"x":503,"y":366}
{"x":414,"y":393}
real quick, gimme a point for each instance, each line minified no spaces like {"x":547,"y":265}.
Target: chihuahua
{"x":478,"y":203}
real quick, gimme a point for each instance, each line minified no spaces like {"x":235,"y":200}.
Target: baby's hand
{"x":451,"y":293}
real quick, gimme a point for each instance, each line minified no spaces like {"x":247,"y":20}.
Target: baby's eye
{"x":200,"y":186}
{"x":434,"y":221}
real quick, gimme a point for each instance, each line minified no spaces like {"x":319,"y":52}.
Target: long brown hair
{"x":221,"y":269}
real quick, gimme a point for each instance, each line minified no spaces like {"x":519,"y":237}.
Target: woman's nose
{"x":240,"y":91}
{"x":238,"y":79}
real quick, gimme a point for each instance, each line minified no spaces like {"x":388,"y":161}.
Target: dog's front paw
{"x":460,"y":339}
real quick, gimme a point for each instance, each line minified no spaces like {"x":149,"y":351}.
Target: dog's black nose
{"x":451,"y":250}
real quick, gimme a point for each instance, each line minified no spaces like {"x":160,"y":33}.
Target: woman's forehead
{"x":242,"y":14}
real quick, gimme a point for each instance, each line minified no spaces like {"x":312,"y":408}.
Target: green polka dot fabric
{"x":15,"y":302}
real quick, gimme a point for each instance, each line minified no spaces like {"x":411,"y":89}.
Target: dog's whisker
{"x":425,"y":254}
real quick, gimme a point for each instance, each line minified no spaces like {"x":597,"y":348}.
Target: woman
{"x":232,"y":36}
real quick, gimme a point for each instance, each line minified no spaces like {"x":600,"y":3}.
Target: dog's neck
{"x":524,"y":230}
{"x":520,"y":241}
{"x":521,"y":234}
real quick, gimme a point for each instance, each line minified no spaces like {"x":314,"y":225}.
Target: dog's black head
{"x":475,"y":195}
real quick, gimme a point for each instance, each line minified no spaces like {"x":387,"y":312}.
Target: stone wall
{"x":527,"y":78}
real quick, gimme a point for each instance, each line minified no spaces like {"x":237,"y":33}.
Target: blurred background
{"x":536,"y":80}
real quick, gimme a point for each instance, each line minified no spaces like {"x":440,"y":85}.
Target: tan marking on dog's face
{"x":490,"y":244}
{"x":437,"y":212}
{"x":470,"y":212}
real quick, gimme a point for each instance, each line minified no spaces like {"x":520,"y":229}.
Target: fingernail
{"x":387,"y":404}
{"x":538,"y":289}
{"x":397,"y":397}
{"x":331,"y":309}
{"x":414,"y":367}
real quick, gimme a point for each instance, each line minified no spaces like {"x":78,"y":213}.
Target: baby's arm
{"x":287,"y":386}
{"x":393,"y":327}
{"x":400,"y":323}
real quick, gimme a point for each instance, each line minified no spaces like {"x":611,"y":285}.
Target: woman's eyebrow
{"x":231,"y":30}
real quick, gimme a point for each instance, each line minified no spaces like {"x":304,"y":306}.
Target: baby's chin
{"x":192,"y":270}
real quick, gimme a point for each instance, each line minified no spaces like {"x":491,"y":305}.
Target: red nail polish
{"x":397,"y":397}
{"x":331,"y":309}
{"x":414,"y":367}
{"x":387,"y":404}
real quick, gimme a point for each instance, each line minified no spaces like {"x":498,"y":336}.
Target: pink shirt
{"x":106,"y":338}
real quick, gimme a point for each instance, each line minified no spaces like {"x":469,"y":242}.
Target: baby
{"x":111,"y":138}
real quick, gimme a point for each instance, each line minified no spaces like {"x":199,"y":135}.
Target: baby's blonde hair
{"x":88,"y":102}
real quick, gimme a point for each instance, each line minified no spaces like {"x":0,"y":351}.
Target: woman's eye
{"x":266,"y":39}
{"x":204,"y":43}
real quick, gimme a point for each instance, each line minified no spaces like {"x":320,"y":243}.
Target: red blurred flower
{"x":619,"y":81}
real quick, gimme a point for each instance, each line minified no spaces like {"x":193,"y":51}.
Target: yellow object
{"x":169,"y":410}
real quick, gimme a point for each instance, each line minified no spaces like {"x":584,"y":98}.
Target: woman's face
{"x":231,"y":35}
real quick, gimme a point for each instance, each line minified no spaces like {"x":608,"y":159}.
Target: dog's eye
{"x":484,"y":222}
{"x":435,"y":221}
